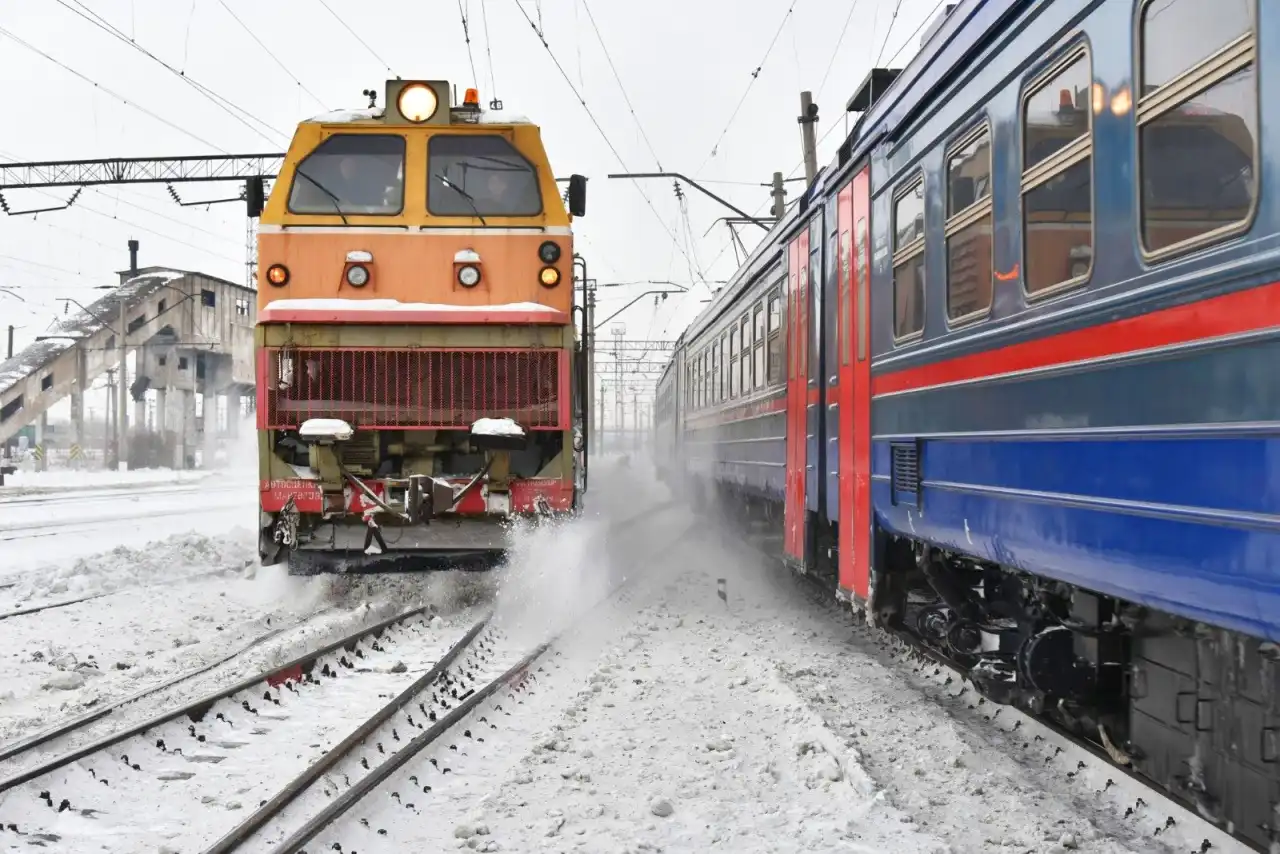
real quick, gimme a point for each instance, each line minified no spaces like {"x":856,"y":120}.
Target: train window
{"x":744,"y":338}
{"x":757,"y":360}
{"x":724,"y":367}
{"x":1057,"y":178}
{"x":908,"y":261}
{"x":777,"y":340}
{"x":733,"y":361}
{"x":864,"y":288}
{"x":350,"y":173}
{"x":1197,"y":123}
{"x":970,"y":276}
{"x":480,"y":175}
{"x":844,"y":325}
{"x":1179,"y":34}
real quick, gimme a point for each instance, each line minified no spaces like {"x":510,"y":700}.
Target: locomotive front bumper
{"x":457,"y":543}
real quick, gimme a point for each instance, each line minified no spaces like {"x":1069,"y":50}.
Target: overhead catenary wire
{"x":226,"y":105}
{"x":618,"y":78}
{"x":754,"y":76}
{"x":596,"y":123}
{"x":355,"y":35}
{"x":488,"y":49}
{"x":835,"y":52}
{"x":897,"y":7}
{"x":121,"y":98}
{"x":924,"y":23}
{"x":270,"y":52}
{"x":466,"y":37}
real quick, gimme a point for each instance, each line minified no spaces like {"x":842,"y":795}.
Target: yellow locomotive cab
{"x":416,"y":351}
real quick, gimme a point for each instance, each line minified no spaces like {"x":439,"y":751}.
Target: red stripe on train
{"x":1229,"y":314}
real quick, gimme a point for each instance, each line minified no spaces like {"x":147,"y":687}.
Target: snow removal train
{"x":1005,"y":378}
{"x":420,"y":376}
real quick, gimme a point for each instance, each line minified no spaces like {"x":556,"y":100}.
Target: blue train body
{"x":1029,"y":320}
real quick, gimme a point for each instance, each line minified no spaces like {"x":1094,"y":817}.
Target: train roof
{"x":962,"y":34}
{"x":374,"y":116}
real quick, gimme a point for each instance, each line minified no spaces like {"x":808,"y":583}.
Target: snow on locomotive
{"x":418,"y":362}
{"x":1004,"y":380}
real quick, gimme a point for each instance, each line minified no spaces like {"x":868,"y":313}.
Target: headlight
{"x":549,"y":252}
{"x":417,"y":102}
{"x":357,"y":276}
{"x":550,"y":277}
{"x":278,"y":275}
{"x":468,"y":276}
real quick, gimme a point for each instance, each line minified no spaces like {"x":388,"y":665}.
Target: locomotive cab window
{"x":1197,"y":120}
{"x":475,"y":175}
{"x":1057,"y":177}
{"x":908,"y":261}
{"x":350,"y":173}
{"x":970,"y":276}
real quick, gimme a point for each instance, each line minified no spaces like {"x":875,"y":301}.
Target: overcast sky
{"x":685,"y":66}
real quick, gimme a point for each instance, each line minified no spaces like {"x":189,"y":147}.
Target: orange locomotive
{"x":420,"y":377}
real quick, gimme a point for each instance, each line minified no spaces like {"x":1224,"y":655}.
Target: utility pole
{"x":122,"y":394}
{"x":10,"y":356}
{"x":779,"y":196}
{"x":110,"y":454}
{"x":808,"y":118}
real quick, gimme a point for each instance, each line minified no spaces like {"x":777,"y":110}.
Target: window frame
{"x":772,"y":332}
{"x":759,"y":342}
{"x":906,"y":254}
{"x":1195,"y":80}
{"x":1029,"y":180}
{"x":733,"y":387}
{"x":744,"y":351}
{"x":333,"y":212}
{"x":537,"y":179}
{"x":971,"y":215}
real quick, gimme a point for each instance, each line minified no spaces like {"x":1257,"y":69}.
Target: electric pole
{"x":779,"y":196}
{"x":122,"y":395}
{"x":808,"y":118}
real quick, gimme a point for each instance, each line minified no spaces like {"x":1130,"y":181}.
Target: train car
{"x":420,"y":378}
{"x":1046,"y":265}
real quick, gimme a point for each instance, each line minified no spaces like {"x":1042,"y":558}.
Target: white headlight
{"x":417,"y":102}
{"x":468,"y":276}
{"x":357,"y":276}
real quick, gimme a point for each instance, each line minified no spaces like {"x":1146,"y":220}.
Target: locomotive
{"x":999,"y":378}
{"x":421,"y":381}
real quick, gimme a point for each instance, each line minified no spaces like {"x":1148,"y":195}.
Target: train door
{"x":797,"y":398}
{"x":854,"y":554}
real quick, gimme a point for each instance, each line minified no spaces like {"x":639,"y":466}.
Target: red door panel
{"x":846,"y":290}
{"x":797,"y":399}
{"x":862,"y":435}
{"x":857,"y":580}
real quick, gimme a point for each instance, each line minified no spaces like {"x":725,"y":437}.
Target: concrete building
{"x":190,"y":334}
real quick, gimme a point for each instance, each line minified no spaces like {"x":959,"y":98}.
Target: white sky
{"x":685,"y":65}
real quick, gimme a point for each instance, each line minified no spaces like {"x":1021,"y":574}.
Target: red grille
{"x":417,"y":389}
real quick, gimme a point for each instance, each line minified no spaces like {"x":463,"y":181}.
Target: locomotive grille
{"x":906,"y":468}
{"x":411,"y":388}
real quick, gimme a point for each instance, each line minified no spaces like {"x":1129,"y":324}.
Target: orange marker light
{"x":472,"y":97}
{"x":277,"y":274}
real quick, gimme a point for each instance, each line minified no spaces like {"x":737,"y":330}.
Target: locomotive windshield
{"x":480,"y":175}
{"x":351,"y":174}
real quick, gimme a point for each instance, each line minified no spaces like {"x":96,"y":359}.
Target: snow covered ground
{"x":673,"y":720}
{"x":666,"y":718}
{"x":23,"y":481}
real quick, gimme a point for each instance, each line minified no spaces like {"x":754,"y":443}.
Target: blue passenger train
{"x":1001,"y":377}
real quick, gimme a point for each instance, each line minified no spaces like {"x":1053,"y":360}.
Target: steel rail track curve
{"x":242,"y":832}
{"x":338,"y":807}
{"x":195,"y":708}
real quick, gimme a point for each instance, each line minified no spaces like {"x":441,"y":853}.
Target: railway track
{"x":217,"y":751}
{"x":1123,"y":800}
{"x":256,"y":749}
